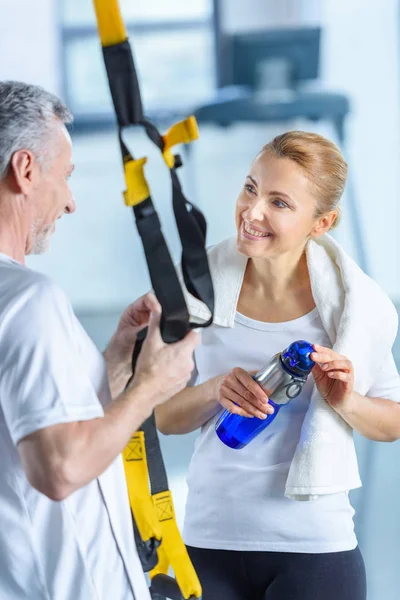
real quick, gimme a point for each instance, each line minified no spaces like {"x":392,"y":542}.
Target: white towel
{"x":361,"y":323}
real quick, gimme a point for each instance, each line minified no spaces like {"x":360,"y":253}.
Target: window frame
{"x":84,"y":121}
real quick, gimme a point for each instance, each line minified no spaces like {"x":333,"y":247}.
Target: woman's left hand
{"x":334,"y":377}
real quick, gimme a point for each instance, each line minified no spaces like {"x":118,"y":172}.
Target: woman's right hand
{"x":240,"y":394}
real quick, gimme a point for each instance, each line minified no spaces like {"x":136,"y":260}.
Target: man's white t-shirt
{"x":51,"y":372}
{"x":236,"y":497}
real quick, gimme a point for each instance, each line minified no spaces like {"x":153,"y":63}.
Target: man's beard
{"x":40,"y":238}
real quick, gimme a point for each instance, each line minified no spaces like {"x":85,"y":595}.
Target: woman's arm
{"x":190,"y":409}
{"x":375,"y":418}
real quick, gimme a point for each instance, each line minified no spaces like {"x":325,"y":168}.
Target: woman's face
{"x":275,"y":211}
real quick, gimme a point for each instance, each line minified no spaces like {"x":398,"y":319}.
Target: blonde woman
{"x":281,"y":279}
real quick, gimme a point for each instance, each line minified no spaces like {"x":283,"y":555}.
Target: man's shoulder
{"x":28,"y":290}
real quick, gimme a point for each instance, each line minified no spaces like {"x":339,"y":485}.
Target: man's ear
{"x":324,"y":224}
{"x":24,"y":170}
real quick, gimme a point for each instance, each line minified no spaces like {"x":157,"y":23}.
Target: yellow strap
{"x":172,"y":550}
{"x":109,"y":22}
{"x":137,"y":479}
{"x":155,"y":517}
{"x":183,"y":132}
{"x":137,"y":187}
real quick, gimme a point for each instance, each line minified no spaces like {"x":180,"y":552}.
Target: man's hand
{"x":164,"y":369}
{"x":118,"y":353}
{"x":134,"y":318}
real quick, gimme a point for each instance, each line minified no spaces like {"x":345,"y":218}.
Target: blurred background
{"x":249,"y":70}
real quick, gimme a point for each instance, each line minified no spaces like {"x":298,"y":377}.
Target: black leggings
{"x":235,"y":575}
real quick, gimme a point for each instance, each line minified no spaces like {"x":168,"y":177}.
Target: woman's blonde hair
{"x":322,"y":162}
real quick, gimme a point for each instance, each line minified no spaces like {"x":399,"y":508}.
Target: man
{"x":65,"y":520}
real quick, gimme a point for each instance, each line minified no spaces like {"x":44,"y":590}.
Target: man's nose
{"x":70,"y":207}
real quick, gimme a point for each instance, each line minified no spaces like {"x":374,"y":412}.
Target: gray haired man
{"x":65,"y":520}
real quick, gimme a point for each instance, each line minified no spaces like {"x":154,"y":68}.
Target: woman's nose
{"x":256,"y":211}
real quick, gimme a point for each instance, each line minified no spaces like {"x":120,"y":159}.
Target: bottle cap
{"x":296,"y":358}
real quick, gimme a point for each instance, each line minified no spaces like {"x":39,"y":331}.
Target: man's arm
{"x":62,"y":458}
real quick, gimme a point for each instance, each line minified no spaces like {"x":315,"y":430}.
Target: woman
{"x":280,"y":280}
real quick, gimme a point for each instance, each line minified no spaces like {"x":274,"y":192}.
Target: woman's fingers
{"x":234,"y":408}
{"x":341,"y":376}
{"x":239,"y":388}
{"x":338,"y":365}
{"x":249,"y":387}
{"x":245,"y":404}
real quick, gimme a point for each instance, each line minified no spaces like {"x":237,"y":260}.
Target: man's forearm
{"x":374,"y":418}
{"x":70,"y":455}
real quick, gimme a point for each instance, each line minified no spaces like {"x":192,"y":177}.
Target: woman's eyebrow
{"x":251,"y":179}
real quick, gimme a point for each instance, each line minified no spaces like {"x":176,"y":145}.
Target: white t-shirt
{"x":51,"y":372}
{"x":236,"y":497}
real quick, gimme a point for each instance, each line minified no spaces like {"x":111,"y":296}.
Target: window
{"x":173,"y":47}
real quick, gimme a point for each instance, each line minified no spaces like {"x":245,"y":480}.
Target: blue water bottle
{"x":282,"y":379}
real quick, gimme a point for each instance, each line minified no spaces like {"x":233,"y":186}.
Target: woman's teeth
{"x":254,"y":232}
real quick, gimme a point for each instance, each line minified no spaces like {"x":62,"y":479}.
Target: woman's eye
{"x":249,"y":188}
{"x":280,"y":203}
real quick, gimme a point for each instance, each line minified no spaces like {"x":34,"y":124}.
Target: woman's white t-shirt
{"x":236,"y":497}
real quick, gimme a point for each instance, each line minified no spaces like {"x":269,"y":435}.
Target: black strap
{"x":191,"y":224}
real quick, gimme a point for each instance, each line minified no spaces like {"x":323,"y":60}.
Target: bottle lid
{"x":296,"y":358}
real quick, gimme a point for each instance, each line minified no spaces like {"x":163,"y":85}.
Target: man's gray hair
{"x":27,"y":114}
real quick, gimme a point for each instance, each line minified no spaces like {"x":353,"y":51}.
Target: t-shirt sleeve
{"x":43,"y":379}
{"x":387,"y":382}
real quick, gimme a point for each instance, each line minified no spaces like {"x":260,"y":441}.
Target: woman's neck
{"x":275,"y":277}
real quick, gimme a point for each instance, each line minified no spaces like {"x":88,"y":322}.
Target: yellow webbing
{"x":137,"y":188}
{"x":172,"y":550}
{"x":109,"y":22}
{"x":154,"y":516}
{"x":137,"y":479}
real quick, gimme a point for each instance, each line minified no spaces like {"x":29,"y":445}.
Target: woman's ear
{"x":323,"y":224}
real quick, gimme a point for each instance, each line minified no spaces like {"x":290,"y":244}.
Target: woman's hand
{"x":334,"y":377}
{"x":240,"y":394}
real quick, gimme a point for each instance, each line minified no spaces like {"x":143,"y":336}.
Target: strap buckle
{"x":183,"y":132}
{"x":137,"y":187}
{"x":163,"y":586}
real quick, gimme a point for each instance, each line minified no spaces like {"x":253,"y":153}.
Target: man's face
{"x":52,"y":195}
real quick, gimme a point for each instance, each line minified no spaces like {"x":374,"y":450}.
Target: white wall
{"x":29,"y":42}
{"x":239,"y":15}
{"x":361,"y":55}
